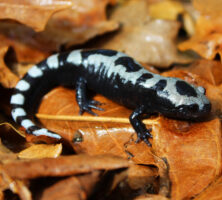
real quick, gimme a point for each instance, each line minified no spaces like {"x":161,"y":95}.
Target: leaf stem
{"x":92,"y":119}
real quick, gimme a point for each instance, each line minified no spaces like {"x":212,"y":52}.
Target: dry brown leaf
{"x":98,"y":137}
{"x":11,"y":138}
{"x":7,"y":78}
{"x":213,"y":192}
{"x":170,"y":10}
{"x":27,"y":47}
{"x":193,"y":152}
{"x":10,"y":143}
{"x":209,"y":70}
{"x":207,"y":41}
{"x":5,"y":154}
{"x":16,"y":186}
{"x":164,"y":179}
{"x":41,"y":151}
{"x":83,"y":21}
{"x":208,"y":7}
{"x":136,"y":177}
{"x":146,"y":40}
{"x":62,"y":166}
{"x":140,"y":176}
{"x":151,"y":197}
{"x":32,"y":13}
{"x":166,"y":9}
{"x":72,"y":188}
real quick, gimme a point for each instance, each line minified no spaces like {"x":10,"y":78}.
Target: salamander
{"x":114,"y":75}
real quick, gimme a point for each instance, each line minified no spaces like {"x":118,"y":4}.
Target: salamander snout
{"x":194,"y":111}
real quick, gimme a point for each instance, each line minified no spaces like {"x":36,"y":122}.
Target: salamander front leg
{"x":136,"y":120}
{"x":85,"y":105}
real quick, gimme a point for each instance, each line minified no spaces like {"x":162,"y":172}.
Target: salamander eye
{"x":201,"y":90}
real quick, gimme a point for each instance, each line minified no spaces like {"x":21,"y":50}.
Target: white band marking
{"x":75,"y":57}
{"x":17,"y":99}
{"x":53,"y":61}
{"x":35,"y":72}
{"x":26,"y":123}
{"x":18,"y":112}
{"x":22,"y":85}
{"x":44,"y":131}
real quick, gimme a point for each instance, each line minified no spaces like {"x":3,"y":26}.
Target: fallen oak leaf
{"x":65,"y":28}
{"x":193,"y":152}
{"x":5,"y":154}
{"x":136,"y":180}
{"x":209,"y":70}
{"x":41,"y":151}
{"x":208,"y":7}
{"x":139,"y":176}
{"x":83,"y":21}
{"x":170,"y":10}
{"x":164,"y":179}
{"x":7,"y":78}
{"x":16,"y":186}
{"x":62,"y":166}
{"x":12,"y":127}
{"x":166,"y":10}
{"x":207,"y":39}
{"x":143,"y":38}
{"x":151,"y":197}
{"x":27,"y":49}
{"x":32,"y":13}
{"x":98,"y":137}
{"x":70,"y":188}
{"x":212,"y":192}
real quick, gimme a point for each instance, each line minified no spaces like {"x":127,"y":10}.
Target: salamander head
{"x":181,"y":100}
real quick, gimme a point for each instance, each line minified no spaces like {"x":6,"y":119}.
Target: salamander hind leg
{"x":84,"y":103}
{"x":136,"y":120}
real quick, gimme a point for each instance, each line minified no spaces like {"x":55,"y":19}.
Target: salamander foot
{"x":144,"y":136}
{"x":88,"y":106}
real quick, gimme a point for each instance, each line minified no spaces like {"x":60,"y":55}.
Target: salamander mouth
{"x":191,"y":112}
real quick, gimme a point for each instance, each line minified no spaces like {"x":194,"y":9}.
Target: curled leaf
{"x":62,"y":166}
{"x":207,"y":39}
{"x":166,"y":9}
{"x":145,"y":39}
{"x":193,"y":152}
{"x":41,"y":151}
{"x":7,"y":78}
{"x":78,"y":188}
{"x":83,"y":21}
{"x":32,"y":13}
{"x":16,"y":186}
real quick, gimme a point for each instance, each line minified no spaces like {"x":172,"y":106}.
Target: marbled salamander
{"x":114,"y":75}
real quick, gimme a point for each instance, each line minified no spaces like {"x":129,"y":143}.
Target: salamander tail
{"x":21,"y":117}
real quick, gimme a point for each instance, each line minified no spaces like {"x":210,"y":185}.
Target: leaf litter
{"x":185,"y":159}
